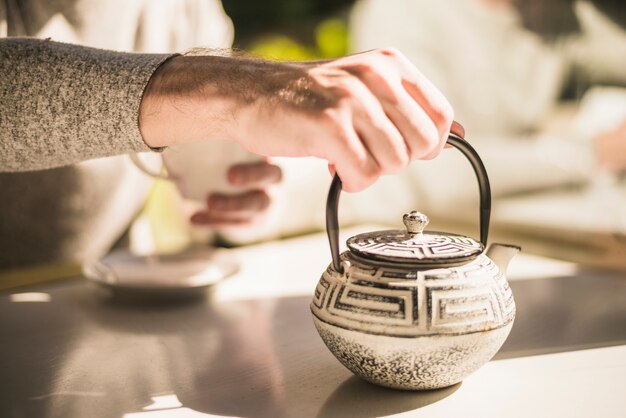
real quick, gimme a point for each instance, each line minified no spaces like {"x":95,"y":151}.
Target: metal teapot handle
{"x":457,"y":141}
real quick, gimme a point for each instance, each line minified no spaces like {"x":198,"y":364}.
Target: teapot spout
{"x":502,"y":254}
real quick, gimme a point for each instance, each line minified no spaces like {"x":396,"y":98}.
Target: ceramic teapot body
{"x":413,"y":309}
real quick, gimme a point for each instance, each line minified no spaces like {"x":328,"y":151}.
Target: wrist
{"x":182,"y":103}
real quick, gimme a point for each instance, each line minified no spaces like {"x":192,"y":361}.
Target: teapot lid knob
{"x":415,"y":222}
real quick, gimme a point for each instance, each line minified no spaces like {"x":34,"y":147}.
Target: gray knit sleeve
{"x":62,"y":103}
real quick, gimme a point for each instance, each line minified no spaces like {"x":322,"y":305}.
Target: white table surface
{"x":250,"y":349}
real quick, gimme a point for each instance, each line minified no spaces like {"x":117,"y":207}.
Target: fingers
{"x":254,"y":175}
{"x":423,"y":92}
{"x":352,"y":160}
{"x":421,"y":113}
{"x":397,"y":114}
{"x":457,"y":129}
{"x":418,"y":130}
{"x":380,"y":136}
{"x":224,"y":210}
{"x":230,"y":210}
{"x":217,"y":222}
{"x":438,"y":110}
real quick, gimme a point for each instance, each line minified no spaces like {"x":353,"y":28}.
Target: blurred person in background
{"x":509,"y":68}
{"x":58,"y":98}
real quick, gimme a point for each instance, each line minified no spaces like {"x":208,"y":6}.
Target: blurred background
{"x":291,"y":30}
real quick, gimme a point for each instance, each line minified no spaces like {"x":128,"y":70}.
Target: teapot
{"x":415,"y":309}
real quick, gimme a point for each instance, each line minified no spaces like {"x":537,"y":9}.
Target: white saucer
{"x":194,"y":268}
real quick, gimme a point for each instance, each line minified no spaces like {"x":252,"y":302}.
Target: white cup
{"x":200,"y":168}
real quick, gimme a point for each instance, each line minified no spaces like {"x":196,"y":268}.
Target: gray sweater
{"x":61,"y":104}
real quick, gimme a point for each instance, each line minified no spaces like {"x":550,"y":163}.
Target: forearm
{"x":192,"y":98}
{"x":61,"y":103}
{"x":185,"y":102}
{"x":368,"y":114}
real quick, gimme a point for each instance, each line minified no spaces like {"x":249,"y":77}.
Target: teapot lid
{"x":415,"y":246}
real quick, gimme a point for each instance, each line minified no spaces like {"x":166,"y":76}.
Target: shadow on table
{"x":359,"y":399}
{"x":252,"y":358}
{"x":81,"y":352}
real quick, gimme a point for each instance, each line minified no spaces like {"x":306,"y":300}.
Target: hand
{"x":367,"y":114}
{"x":231,"y":210}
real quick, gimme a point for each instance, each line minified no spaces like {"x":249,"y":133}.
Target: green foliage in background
{"x":294,"y":17}
{"x":282,"y":48}
{"x":331,"y":40}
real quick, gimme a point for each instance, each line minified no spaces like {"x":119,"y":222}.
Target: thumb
{"x":331,"y":169}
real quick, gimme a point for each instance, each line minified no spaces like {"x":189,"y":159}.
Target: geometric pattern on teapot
{"x":397,"y":244}
{"x":473,"y":297}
